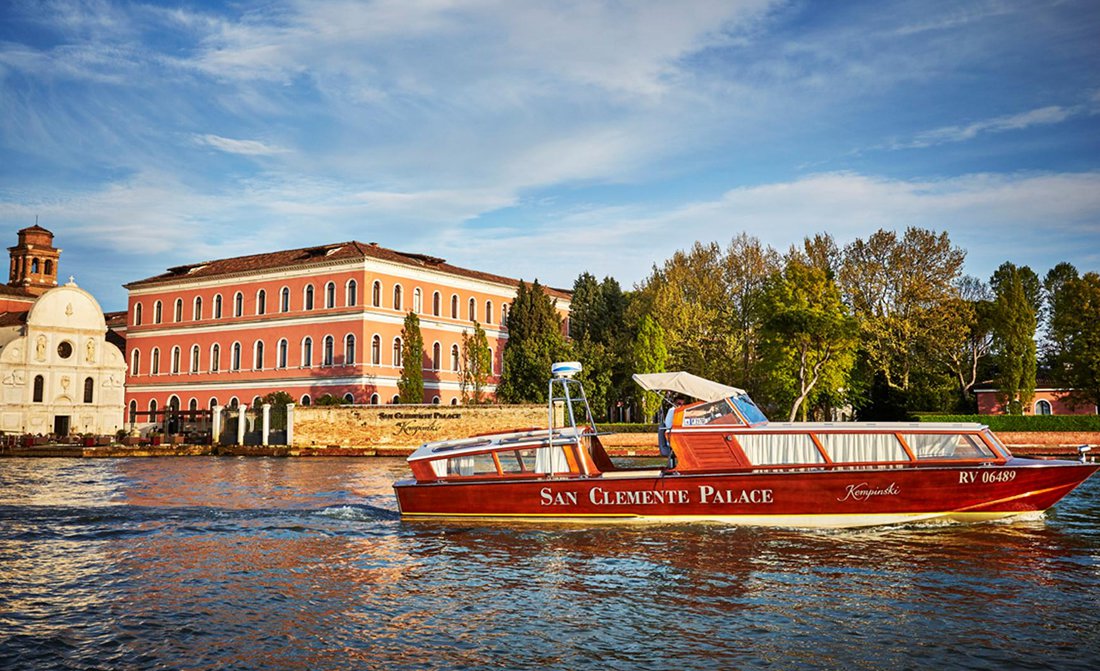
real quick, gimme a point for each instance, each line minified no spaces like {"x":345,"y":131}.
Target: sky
{"x":545,"y":139}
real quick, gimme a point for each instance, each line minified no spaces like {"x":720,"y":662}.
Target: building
{"x":1047,"y":401}
{"x":58,"y":373}
{"x":315,"y":321}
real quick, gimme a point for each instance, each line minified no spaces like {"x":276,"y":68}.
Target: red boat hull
{"x":818,"y":498}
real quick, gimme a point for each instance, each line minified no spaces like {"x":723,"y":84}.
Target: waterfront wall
{"x":404,"y":427}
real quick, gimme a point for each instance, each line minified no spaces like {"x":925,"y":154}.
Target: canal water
{"x":233,"y":563}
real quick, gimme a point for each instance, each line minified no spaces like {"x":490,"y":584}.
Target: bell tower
{"x":34,"y":261}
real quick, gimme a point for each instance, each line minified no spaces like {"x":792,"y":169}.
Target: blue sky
{"x":544,"y":139}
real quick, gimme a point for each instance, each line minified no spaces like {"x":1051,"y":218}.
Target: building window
{"x":330,"y":295}
{"x":194,"y":358}
{"x":177,"y":311}
{"x":454,"y":358}
{"x":395,"y":400}
{"x":213,"y":402}
{"x":137,"y":314}
{"x":349,"y":398}
{"x":261,"y":302}
{"x":233,"y":403}
{"x":435,"y":400}
{"x":238,"y":304}
{"x":352,"y":293}
{"x":193,"y":407}
{"x":326,"y":352}
{"x":135,"y":361}
{"x":306,"y":399}
{"x":48,"y":265}
{"x":436,"y":303}
{"x":284,"y":346}
{"x":472,"y":310}
{"x":435,"y":356}
{"x":397,"y":297}
{"x":454,"y":401}
{"x":307,"y":302}
{"x":503,"y":314}
{"x":156,"y":312}
{"x":454,"y":306}
{"x":490,"y":361}
{"x":349,"y":349}
{"x":217,"y":306}
{"x":374,"y":399}
{"x":215,"y":358}
{"x":397,"y":352}
{"x":256,"y":402}
{"x":153,"y":410}
{"x":235,"y":357}
{"x":258,"y":352}
{"x":175,"y":360}
{"x":89,"y":388}
{"x":196,"y":308}
{"x":376,"y":294}
{"x":488,"y":312}
{"x":154,"y":368}
{"x":307,"y":352}
{"x":39,"y":388}
{"x":376,"y":350}
{"x":284,"y":300}
{"x":133,"y":411}
{"x":34,"y":266}
{"x":1042,"y":407}
{"x":417,"y":301}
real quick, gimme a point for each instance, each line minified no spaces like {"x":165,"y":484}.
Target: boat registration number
{"x":970,"y":477}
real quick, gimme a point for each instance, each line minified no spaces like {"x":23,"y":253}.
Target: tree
{"x":1075,"y":338}
{"x":535,"y":341}
{"x":597,"y":326}
{"x":1014,"y":335}
{"x":809,"y":339}
{"x":278,"y":400}
{"x":972,"y":332}
{"x":410,"y":385}
{"x":476,"y":364}
{"x":650,"y":356}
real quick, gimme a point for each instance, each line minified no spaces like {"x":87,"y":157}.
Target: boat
{"x":729,"y":464}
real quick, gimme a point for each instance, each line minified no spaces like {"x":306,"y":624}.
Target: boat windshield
{"x":717,"y":412}
{"x":748,"y":409}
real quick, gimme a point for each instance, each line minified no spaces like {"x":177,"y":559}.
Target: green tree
{"x":476,"y":364}
{"x":329,"y":399}
{"x":1014,"y":335}
{"x":650,"y":356}
{"x":410,"y":385}
{"x":278,"y":401}
{"x":809,"y":338}
{"x":971,"y":328}
{"x":1075,"y":338}
{"x":600,"y":337}
{"x":534,"y":342}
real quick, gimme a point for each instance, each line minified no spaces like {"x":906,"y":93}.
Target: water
{"x":222,"y":563}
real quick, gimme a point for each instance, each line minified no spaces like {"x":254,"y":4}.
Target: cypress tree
{"x":411,"y":383}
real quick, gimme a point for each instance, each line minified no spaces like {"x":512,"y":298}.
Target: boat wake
{"x":359,"y":513}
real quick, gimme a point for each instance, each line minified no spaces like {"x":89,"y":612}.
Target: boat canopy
{"x":686,"y":384}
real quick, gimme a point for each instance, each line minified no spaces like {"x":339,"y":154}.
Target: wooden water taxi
{"x":730,"y":464}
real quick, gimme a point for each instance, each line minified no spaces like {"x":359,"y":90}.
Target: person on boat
{"x":662,"y":440}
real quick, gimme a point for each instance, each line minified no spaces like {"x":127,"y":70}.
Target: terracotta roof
{"x":16,"y":292}
{"x":115,"y":319}
{"x":13,"y":318}
{"x":35,"y":228}
{"x":324,"y":254}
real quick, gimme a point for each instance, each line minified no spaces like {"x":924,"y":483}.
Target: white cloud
{"x":1043,"y":116}
{"x":243,"y":147}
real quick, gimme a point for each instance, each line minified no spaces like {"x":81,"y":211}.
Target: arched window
{"x":137,"y":314}
{"x":48,"y":267}
{"x":284,"y":299}
{"x":284,"y":347}
{"x":175,"y":360}
{"x":376,"y":294}
{"x":307,"y":301}
{"x":156,"y":312}
{"x":436,"y":303}
{"x":261,"y":302}
{"x":349,"y":349}
{"x":235,"y":360}
{"x":154,"y":367}
{"x":133,"y":411}
{"x":217,"y":306}
{"x":89,"y":388}
{"x":196,"y":308}
{"x":326,"y":352}
{"x":435,"y":400}
{"x":256,"y":402}
{"x":177,"y":311}
{"x":503,"y":314}
{"x":135,"y":361}
{"x":215,"y":358}
{"x":351,"y":293}
{"x":435,"y":356}
{"x":488,"y":312}
{"x":34,"y":266}
{"x":349,"y":398}
{"x":490,"y":361}
{"x":1042,"y":407}
{"x":306,"y":400}
{"x":330,"y":295}
{"x":194,"y":358}
{"x":39,"y":388}
{"x":258,"y":355}
{"x":307,"y":352}
{"x":213,"y":402}
{"x":397,"y":352}
{"x":173,"y":403}
{"x":153,"y":410}
{"x":192,"y":408}
{"x":238,"y":304}
{"x":374,"y":399}
{"x":454,"y":401}
{"x":397,"y":297}
{"x":233,"y":403}
{"x":454,"y":358}
{"x":376,"y":350}
{"x":472,"y":310}
{"x":417,"y":300}
{"x":454,"y":306}
{"x":395,"y":400}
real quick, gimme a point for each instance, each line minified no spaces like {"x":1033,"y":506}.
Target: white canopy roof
{"x":687,"y":384}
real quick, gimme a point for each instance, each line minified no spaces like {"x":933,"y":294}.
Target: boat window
{"x":551,"y":460}
{"x":474,"y":464}
{"x":748,"y":408}
{"x":862,"y":447}
{"x":517,"y":461}
{"x":946,"y":446}
{"x":717,"y":412}
{"x":782,"y":448}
